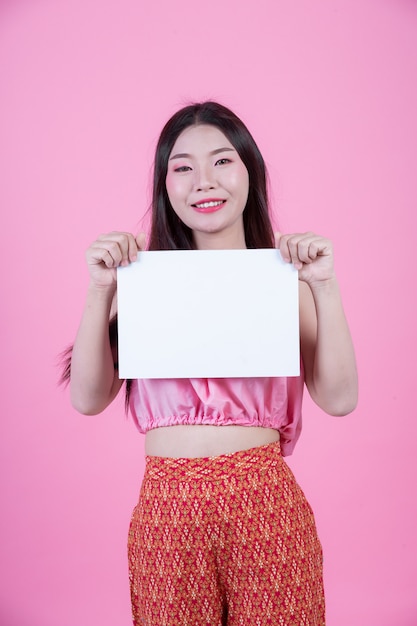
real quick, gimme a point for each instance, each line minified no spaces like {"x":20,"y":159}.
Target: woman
{"x":222,"y":533}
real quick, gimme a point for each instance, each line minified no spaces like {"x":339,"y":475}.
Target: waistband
{"x":261,"y":458}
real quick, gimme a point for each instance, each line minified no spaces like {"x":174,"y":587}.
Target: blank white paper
{"x":208,"y":314}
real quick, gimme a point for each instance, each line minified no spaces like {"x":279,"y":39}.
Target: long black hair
{"x":167,"y":231}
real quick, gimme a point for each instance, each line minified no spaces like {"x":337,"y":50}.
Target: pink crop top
{"x":268,"y":402}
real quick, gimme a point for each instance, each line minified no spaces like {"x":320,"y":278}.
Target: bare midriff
{"x":192,"y":441}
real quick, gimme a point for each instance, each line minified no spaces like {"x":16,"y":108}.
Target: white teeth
{"x":208,"y":205}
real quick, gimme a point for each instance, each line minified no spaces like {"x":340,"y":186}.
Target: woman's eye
{"x":182,"y":168}
{"x":223,"y":161}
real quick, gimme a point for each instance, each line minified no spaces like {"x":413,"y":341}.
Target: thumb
{"x":277,"y":236}
{"x":141,"y":241}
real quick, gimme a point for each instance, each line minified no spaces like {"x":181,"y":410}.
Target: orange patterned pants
{"x":228,"y":540}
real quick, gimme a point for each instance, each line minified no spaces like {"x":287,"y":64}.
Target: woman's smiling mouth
{"x":209,"y":206}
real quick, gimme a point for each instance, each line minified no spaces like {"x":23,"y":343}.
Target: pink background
{"x":329,"y":90}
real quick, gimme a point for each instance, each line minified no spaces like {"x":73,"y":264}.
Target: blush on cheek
{"x":174,"y":179}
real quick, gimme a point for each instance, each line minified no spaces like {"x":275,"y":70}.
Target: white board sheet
{"x":208,"y":314}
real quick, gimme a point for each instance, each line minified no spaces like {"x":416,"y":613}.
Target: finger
{"x":314,"y":246}
{"x":120,"y":246}
{"x":106,"y":252}
{"x":323,"y":247}
{"x":307,"y":248}
{"x":297,"y":245}
{"x":288,"y":247}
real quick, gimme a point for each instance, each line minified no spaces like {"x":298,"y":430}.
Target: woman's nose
{"x":205,"y":179}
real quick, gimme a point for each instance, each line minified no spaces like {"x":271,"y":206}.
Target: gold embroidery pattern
{"x":228,"y":540}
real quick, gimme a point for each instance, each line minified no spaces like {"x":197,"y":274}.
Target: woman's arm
{"x":94,"y":379}
{"x":326,"y":344}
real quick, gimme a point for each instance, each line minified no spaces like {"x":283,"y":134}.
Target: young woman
{"x":222,"y":533}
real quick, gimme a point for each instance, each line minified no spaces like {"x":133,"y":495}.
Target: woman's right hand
{"x":109,"y":252}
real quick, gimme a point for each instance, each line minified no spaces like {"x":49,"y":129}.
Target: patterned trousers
{"x":227,"y":540}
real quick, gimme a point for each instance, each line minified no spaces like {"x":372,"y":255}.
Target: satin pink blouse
{"x":268,"y":402}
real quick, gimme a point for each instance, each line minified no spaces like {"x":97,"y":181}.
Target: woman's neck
{"x":219,"y":241}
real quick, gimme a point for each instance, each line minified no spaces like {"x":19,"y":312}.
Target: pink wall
{"x":329,"y":90}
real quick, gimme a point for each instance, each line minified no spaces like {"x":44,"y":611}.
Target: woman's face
{"x":208,"y":186}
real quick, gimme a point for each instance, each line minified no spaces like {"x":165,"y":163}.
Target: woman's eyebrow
{"x":185,"y":155}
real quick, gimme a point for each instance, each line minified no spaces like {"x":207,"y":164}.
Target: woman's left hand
{"x":311,"y":255}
